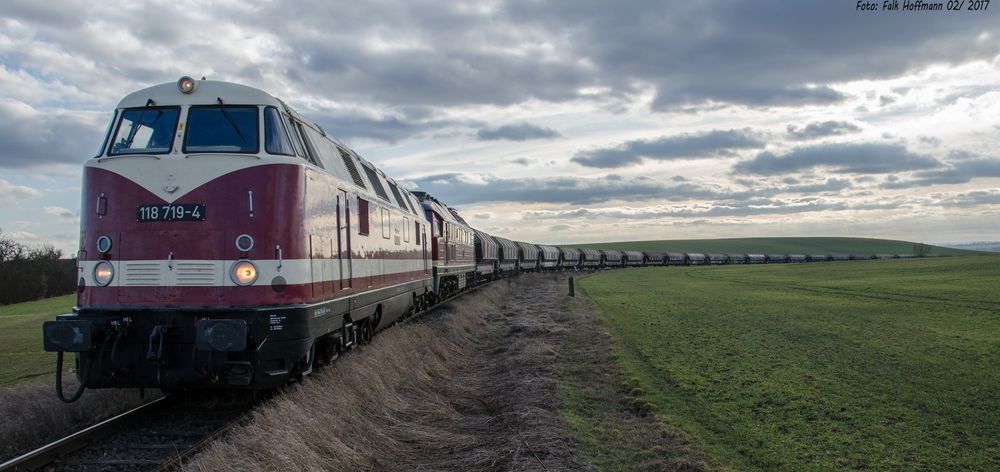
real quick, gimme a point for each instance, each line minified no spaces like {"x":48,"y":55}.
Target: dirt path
{"x":478,"y":386}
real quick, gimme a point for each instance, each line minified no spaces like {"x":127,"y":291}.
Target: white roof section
{"x":206,"y":92}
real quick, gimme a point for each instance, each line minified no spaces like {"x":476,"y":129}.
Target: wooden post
{"x":572,"y":292}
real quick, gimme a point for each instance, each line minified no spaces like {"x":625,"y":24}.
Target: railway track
{"x":159,"y":436}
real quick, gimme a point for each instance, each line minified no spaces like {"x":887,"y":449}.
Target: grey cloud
{"x":714,"y":143}
{"x":959,"y":172}
{"x":560,"y":228}
{"x":970,"y":199}
{"x":930,"y":140}
{"x":33,"y":137}
{"x":822,"y":129}
{"x":458,"y":189}
{"x":846,"y":158}
{"x":390,"y":128}
{"x":517,"y":132}
{"x":668,"y":99}
{"x":830,"y":185}
{"x":607,"y":158}
{"x":759,"y":53}
{"x":524,"y":161}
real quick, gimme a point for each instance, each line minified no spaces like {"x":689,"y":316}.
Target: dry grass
{"x":31,"y":415}
{"x":463,"y":389}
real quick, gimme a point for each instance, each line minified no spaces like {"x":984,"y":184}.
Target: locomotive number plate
{"x":182,"y":212}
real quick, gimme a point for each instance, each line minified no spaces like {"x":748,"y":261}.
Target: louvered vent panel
{"x":139,"y":274}
{"x":196,"y":273}
{"x":376,"y":183}
{"x":399,"y":198}
{"x":353,"y":169}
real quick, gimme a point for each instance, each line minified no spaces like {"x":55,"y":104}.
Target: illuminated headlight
{"x":244,"y":243}
{"x":244,"y":272}
{"x":186,"y":84}
{"x":103,"y":273}
{"x":103,"y":244}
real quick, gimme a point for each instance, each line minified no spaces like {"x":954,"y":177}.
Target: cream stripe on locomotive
{"x":203,"y":273}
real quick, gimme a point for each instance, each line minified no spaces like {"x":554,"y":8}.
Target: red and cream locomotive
{"x":226,"y":241}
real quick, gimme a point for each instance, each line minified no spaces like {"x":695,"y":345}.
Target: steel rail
{"x":176,"y":461}
{"x":44,"y":455}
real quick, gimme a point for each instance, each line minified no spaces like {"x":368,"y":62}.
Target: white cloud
{"x":59,"y":212}
{"x":15,"y":194}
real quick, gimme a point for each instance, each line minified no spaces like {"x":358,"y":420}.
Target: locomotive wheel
{"x":326,"y":351}
{"x":365,"y":332}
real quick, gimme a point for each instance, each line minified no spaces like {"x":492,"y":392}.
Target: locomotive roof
{"x":444,"y":211}
{"x":206,"y":92}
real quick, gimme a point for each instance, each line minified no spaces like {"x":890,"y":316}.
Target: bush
{"x":28,"y":273}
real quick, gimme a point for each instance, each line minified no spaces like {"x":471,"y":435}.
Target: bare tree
{"x":921,"y":249}
{"x":10,"y":250}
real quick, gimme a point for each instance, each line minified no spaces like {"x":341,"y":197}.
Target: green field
{"x":828,"y":366}
{"x":21,"y":354}
{"x":779,"y":246}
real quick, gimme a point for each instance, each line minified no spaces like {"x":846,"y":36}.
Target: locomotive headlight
{"x":103,"y":273}
{"x":244,"y":272}
{"x":103,"y":244}
{"x":186,"y":85}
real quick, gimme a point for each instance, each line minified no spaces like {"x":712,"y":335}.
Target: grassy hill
{"x":780,"y":246}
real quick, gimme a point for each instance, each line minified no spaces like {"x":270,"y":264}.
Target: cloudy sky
{"x":554,"y":121}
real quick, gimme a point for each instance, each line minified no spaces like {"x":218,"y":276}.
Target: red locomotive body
{"x":225,"y":241}
{"x":452,"y":248}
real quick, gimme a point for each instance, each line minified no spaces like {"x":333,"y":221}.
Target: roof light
{"x":186,"y":84}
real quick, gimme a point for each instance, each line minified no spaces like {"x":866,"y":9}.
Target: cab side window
{"x":276,"y":139}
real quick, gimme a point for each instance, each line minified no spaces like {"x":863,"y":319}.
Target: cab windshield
{"x":222,"y":128}
{"x":147,"y":130}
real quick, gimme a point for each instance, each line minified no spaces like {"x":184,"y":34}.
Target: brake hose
{"x":59,"y":390}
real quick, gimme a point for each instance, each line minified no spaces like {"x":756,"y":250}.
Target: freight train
{"x":228,"y":242}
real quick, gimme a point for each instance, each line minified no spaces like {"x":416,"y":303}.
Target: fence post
{"x":572,"y":292}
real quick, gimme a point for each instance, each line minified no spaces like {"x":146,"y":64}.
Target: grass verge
{"x":606,"y":412}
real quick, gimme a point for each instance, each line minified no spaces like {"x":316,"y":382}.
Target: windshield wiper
{"x":222,"y":108}
{"x":140,"y":123}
